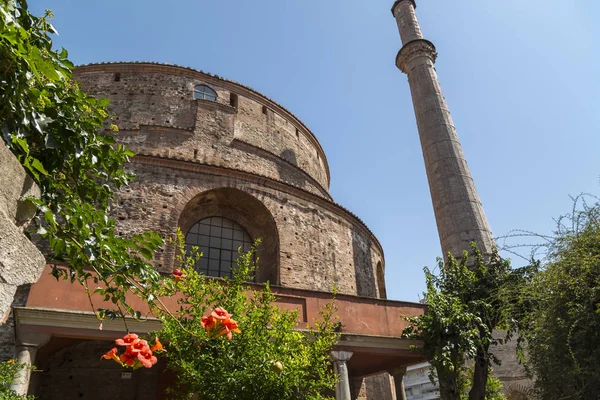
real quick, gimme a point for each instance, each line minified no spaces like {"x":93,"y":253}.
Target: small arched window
{"x":219,"y":240}
{"x":203,"y":92}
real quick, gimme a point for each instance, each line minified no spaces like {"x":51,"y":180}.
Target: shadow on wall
{"x":363,"y":264}
{"x":74,"y":370}
{"x":381,"y":281}
{"x":245,"y":210}
{"x":153,"y":138}
{"x":285,"y":173}
{"x":289,"y":155}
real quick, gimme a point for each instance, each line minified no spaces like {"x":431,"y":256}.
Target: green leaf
{"x":146,"y":253}
{"x":35,"y":163}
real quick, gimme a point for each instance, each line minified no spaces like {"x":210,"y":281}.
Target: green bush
{"x":563,"y":330}
{"x":8,"y":370}
{"x":268,"y":359}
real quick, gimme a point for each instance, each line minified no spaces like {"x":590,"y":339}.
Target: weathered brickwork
{"x":242,"y":157}
{"x":318,"y":248}
{"x":154,"y":107}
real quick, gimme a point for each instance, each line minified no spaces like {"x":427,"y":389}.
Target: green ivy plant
{"x":269,"y":358}
{"x":8,"y":371}
{"x":57,"y":132}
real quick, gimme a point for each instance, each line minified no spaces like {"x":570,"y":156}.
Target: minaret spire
{"x":458,"y":211}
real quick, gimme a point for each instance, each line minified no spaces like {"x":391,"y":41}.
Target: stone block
{"x":20,"y":260}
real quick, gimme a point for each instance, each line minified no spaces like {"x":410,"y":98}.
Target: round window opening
{"x":218,"y":239}
{"x":203,"y":92}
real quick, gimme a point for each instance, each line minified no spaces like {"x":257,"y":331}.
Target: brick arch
{"x":247,"y":211}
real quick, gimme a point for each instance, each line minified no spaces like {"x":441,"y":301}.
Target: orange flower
{"x":219,"y":323}
{"x":128,"y":358}
{"x":229,"y":326}
{"x":127,"y":340}
{"x":220,"y":313}
{"x":111,"y":355}
{"x":138,"y":347}
{"x":157,"y":346}
{"x":146,"y":358}
{"x":208,"y":323}
{"x":177,"y":274}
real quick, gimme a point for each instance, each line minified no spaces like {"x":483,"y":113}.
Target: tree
{"x":57,"y":132}
{"x":562,"y":331}
{"x":466,"y":302}
{"x":266,"y":358}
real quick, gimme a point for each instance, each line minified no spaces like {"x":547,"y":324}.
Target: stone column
{"x":398,"y":375}
{"x":25,"y":353}
{"x":458,"y":211}
{"x":342,"y":388}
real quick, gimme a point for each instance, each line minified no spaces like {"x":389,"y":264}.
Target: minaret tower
{"x":458,"y":211}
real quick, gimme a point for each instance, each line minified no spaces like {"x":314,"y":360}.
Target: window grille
{"x":218,"y":239}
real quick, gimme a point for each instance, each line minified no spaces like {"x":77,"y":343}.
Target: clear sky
{"x":521,"y":78}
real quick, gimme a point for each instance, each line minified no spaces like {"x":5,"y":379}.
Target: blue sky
{"x":521,"y":79}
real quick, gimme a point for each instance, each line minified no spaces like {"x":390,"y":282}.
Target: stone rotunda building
{"x":226,"y":165}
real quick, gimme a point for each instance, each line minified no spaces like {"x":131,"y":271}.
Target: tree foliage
{"x":57,"y":133}
{"x":8,"y":371}
{"x":466,"y":302}
{"x":563,"y":329}
{"x":268,"y":359}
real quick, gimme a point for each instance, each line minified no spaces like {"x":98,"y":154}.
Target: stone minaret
{"x":458,"y":211}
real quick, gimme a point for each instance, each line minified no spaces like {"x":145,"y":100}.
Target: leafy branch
{"x":57,"y":132}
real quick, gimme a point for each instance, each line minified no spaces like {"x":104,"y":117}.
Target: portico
{"x":67,"y":329}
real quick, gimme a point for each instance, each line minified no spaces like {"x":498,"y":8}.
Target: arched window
{"x":203,"y":92}
{"x":218,"y":239}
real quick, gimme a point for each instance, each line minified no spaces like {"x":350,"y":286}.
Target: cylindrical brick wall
{"x":242,"y":157}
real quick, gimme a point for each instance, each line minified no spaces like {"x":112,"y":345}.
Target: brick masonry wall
{"x":155,"y":111}
{"x":318,"y":248}
{"x":309,"y":241}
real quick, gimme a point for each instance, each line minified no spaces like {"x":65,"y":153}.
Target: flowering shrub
{"x":137,"y":353}
{"x":267,"y":358}
{"x":227,"y":341}
{"x":219,"y":323}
